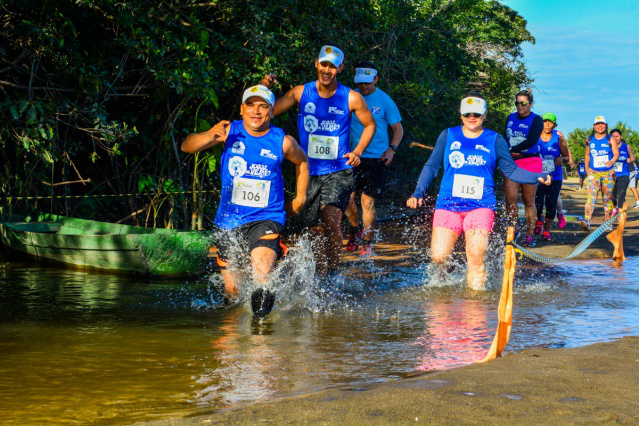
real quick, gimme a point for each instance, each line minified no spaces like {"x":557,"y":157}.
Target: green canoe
{"x":88,"y":244}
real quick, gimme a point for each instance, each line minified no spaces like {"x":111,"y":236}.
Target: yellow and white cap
{"x":365,"y":75}
{"x":600,"y":119}
{"x":331,"y":54}
{"x":261,"y":91}
{"x":473,"y":104}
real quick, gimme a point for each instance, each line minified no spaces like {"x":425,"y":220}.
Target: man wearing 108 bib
{"x":252,"y":196}
{"x":324,"y":121}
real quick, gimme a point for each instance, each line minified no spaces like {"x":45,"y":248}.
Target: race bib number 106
{"x":251,"y":192}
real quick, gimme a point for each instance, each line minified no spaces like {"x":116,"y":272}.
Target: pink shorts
{"x":464,"y":221}
{"x":532,"y":164}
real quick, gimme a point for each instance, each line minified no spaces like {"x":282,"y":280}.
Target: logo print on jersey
{"x":268,"y":154}
{"x":475,"y":160}
{"x":310,"y":123}
{"x":376,"y":110}
{"x":509,"y":132}
{"x":237,"y":166}
{"x":309,"y":108}
{"x":510,"y":124}
{"x":335,"y":110}
{"x":329,"y":125}
{"x":592,"y":145}
{"x":238,"y":148}
{"x":456,"y":159}
{"x":482,"y":148}
{"x":455,"y":145}
{"x":259,"y":170}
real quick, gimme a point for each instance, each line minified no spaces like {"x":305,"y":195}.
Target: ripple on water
{"x":80,"y":347}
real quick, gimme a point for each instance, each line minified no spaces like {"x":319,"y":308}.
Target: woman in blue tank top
{"x":601,"y":156}
{"x":523,"y":129}
{"x":554,"y":153}
{"x":622,"y":172}
{"x":466,"y":200}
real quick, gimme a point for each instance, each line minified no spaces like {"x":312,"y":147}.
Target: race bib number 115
{"x":466,"y":186}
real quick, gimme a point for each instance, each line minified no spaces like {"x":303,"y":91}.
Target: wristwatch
{"x":393,"y":147}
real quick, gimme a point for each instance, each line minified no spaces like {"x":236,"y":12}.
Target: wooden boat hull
{"x":87,"y":244}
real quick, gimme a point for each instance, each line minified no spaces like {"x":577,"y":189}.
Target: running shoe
{"x":561,"y":221}
{"x":366,"y":251}
{"x":262,"y":301}
{"x":546,"y":235}
{"x":538,"y":226}
{"x":529,"y":241}
{"x":585,"y":225}
{"x":614,"y":211}
{"x":636,"y":205}
{"x":356,"y":237}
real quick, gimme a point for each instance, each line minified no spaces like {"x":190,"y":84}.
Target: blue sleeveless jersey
{"x":581,"y":168}
{"x":252,"y":184}
{"x":621,"y":165}
{"x":324,"y":126}
{"x":469,"y":165}
{"x":600,"y":153}
{"x":549,"y":151}
{"x":517,"y":130}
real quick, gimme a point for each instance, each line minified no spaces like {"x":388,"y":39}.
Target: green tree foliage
{"x":97,"y":95}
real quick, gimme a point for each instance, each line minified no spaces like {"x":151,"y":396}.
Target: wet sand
{"x":597,"y":384}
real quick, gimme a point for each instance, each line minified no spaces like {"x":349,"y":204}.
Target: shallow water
{"x":86,"y":348}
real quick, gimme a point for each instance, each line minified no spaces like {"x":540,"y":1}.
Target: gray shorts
{"x":633,"y":180}
{"x":333,"y":189}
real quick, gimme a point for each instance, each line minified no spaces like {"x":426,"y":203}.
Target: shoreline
{"x":597,"y":383}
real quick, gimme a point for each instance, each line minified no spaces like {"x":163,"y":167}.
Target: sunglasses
{"x":471,"y":114}
{"x":522,"y":103}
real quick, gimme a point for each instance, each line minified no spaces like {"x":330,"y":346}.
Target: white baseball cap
{"x":331,"y":54}
{"x":600,"y":119}
{"x":365,"y":75}
{"x":261,"y":91}
{"x":473,"y":104}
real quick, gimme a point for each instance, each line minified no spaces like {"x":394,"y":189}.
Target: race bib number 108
{"x":323,"y":147}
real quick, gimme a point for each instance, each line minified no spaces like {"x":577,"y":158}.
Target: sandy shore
{"x":597,"y":384}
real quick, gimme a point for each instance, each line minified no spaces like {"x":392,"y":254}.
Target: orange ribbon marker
{"x":616,"y":237}
{"x":505,"y":311}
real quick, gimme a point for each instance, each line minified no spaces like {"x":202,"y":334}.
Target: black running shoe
{"x":262,"y":301}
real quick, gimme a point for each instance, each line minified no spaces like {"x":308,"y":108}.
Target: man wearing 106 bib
{"x":252,"y":196}
{"x":466,"y":201}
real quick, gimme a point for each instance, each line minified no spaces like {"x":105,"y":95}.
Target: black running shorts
{"x":370,"y":177}
{"x":233,"y":242}
{"x":326,"y":190}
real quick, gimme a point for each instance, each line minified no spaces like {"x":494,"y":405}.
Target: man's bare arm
{"x":357,"y":105}
{"x":295,"y":154}
{"x":196,"y":142}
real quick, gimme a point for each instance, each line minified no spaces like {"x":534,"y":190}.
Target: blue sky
{"x":585,"y":61}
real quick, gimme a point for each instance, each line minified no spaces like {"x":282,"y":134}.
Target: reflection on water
{"x":80,"y":347}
